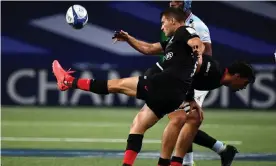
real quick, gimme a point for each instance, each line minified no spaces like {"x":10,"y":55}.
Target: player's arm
{"x":189,"y":36}
{"x":141,"y":46}
{"x":208,"y":49}
{"x":144,"y":47}
{"x":204,"y":34}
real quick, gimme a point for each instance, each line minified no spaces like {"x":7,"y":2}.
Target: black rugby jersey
{"x":209,"y":76}
{"x":179,"y":60}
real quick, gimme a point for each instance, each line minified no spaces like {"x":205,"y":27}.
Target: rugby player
{"x":236,"y":76}
{"x":226,"y":152}
{"x":162,"y":92}
{"x":210,"y":76}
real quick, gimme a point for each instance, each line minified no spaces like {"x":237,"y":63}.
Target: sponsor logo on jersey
{"x":169,"y":55}
{"x":207,"y":69}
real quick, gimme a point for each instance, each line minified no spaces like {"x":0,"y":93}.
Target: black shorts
{"x":161,"y":92}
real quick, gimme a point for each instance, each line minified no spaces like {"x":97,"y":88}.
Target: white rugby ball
{"x":77,"y":16}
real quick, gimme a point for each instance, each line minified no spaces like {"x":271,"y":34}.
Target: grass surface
{"x":254,"y":131}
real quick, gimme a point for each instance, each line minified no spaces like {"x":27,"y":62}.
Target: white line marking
{"x":95,"y":140}
{"x":115,"y":124}
{"x":69,"y":124}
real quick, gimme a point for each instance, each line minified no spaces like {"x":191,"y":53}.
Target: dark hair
{"x":182,"y":5}
{"x":244,"y":69}
{"x":176,"y":13}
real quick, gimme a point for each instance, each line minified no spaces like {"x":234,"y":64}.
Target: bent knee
{"x":194,"y":118}
{"x":178,"y":118}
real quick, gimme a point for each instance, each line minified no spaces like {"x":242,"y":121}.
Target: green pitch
{"x":95,"y":128}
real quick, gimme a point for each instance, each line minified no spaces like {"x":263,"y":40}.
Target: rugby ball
{"x":77,"y":16}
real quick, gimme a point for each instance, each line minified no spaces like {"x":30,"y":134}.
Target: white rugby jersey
{"x":200,"y":27}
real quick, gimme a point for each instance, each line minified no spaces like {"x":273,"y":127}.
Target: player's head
{"x":240,"y":74}
{"x":185,"y":5}
{"x":171,"y":19}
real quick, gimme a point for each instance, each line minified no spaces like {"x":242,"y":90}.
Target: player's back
{"x":209,"y":76}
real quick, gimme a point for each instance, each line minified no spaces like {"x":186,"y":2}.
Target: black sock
{"x":163,"y":162}
{"x":203,"y":139}
{"x":95,"y":86}
{"x":177,"y":159}
{"x":99,"y":87}
{"x":134,"y":142}
{"x":190,"y":149}
{"x":134,"y":145}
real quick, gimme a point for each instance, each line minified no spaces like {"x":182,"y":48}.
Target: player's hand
{"x":184,"y":106}
{"x":194,"y":106}
{"x":198,"y":50}
{"x":120,"y":36}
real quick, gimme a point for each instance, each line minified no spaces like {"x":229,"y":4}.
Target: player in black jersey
{"x":163,"y":92}
{"x":210,"y":75}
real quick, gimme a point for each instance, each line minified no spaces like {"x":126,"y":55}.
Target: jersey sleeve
{"x":164,"y":44}
{"x":185,"y":33}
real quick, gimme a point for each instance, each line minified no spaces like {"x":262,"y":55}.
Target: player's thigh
{"x":145,"y":119}
{"x":130,"y":83}
{"x":160,"y":87}
{"x":164,"y":106}
{"x":124,"y":84}
{"x":200,"y":96}
{"x":161,"y":93}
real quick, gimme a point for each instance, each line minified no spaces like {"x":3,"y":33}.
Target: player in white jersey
{"x":227,"y":152}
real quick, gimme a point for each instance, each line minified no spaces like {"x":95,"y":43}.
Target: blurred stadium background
{"x":43,"y":126}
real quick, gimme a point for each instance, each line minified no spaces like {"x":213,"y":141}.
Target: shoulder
{"x":201,"y":28}
{"x":183,"y":30}
{"x":198,"y":24}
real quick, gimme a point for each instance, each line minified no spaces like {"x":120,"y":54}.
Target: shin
{"x":171,"y":132}
{"x":143,"y":121}
{"x":187,"y":134}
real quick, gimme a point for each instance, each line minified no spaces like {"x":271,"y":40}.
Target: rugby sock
{"x":203,"y":139}
{"x":219,"y":147}
{"x":163,"y":162}
{"x":96,"y":86}
{"x":189,"y":158}
{"x":134,"y":145}
{"x":176,"y":161}
{"x":83,"y":84}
